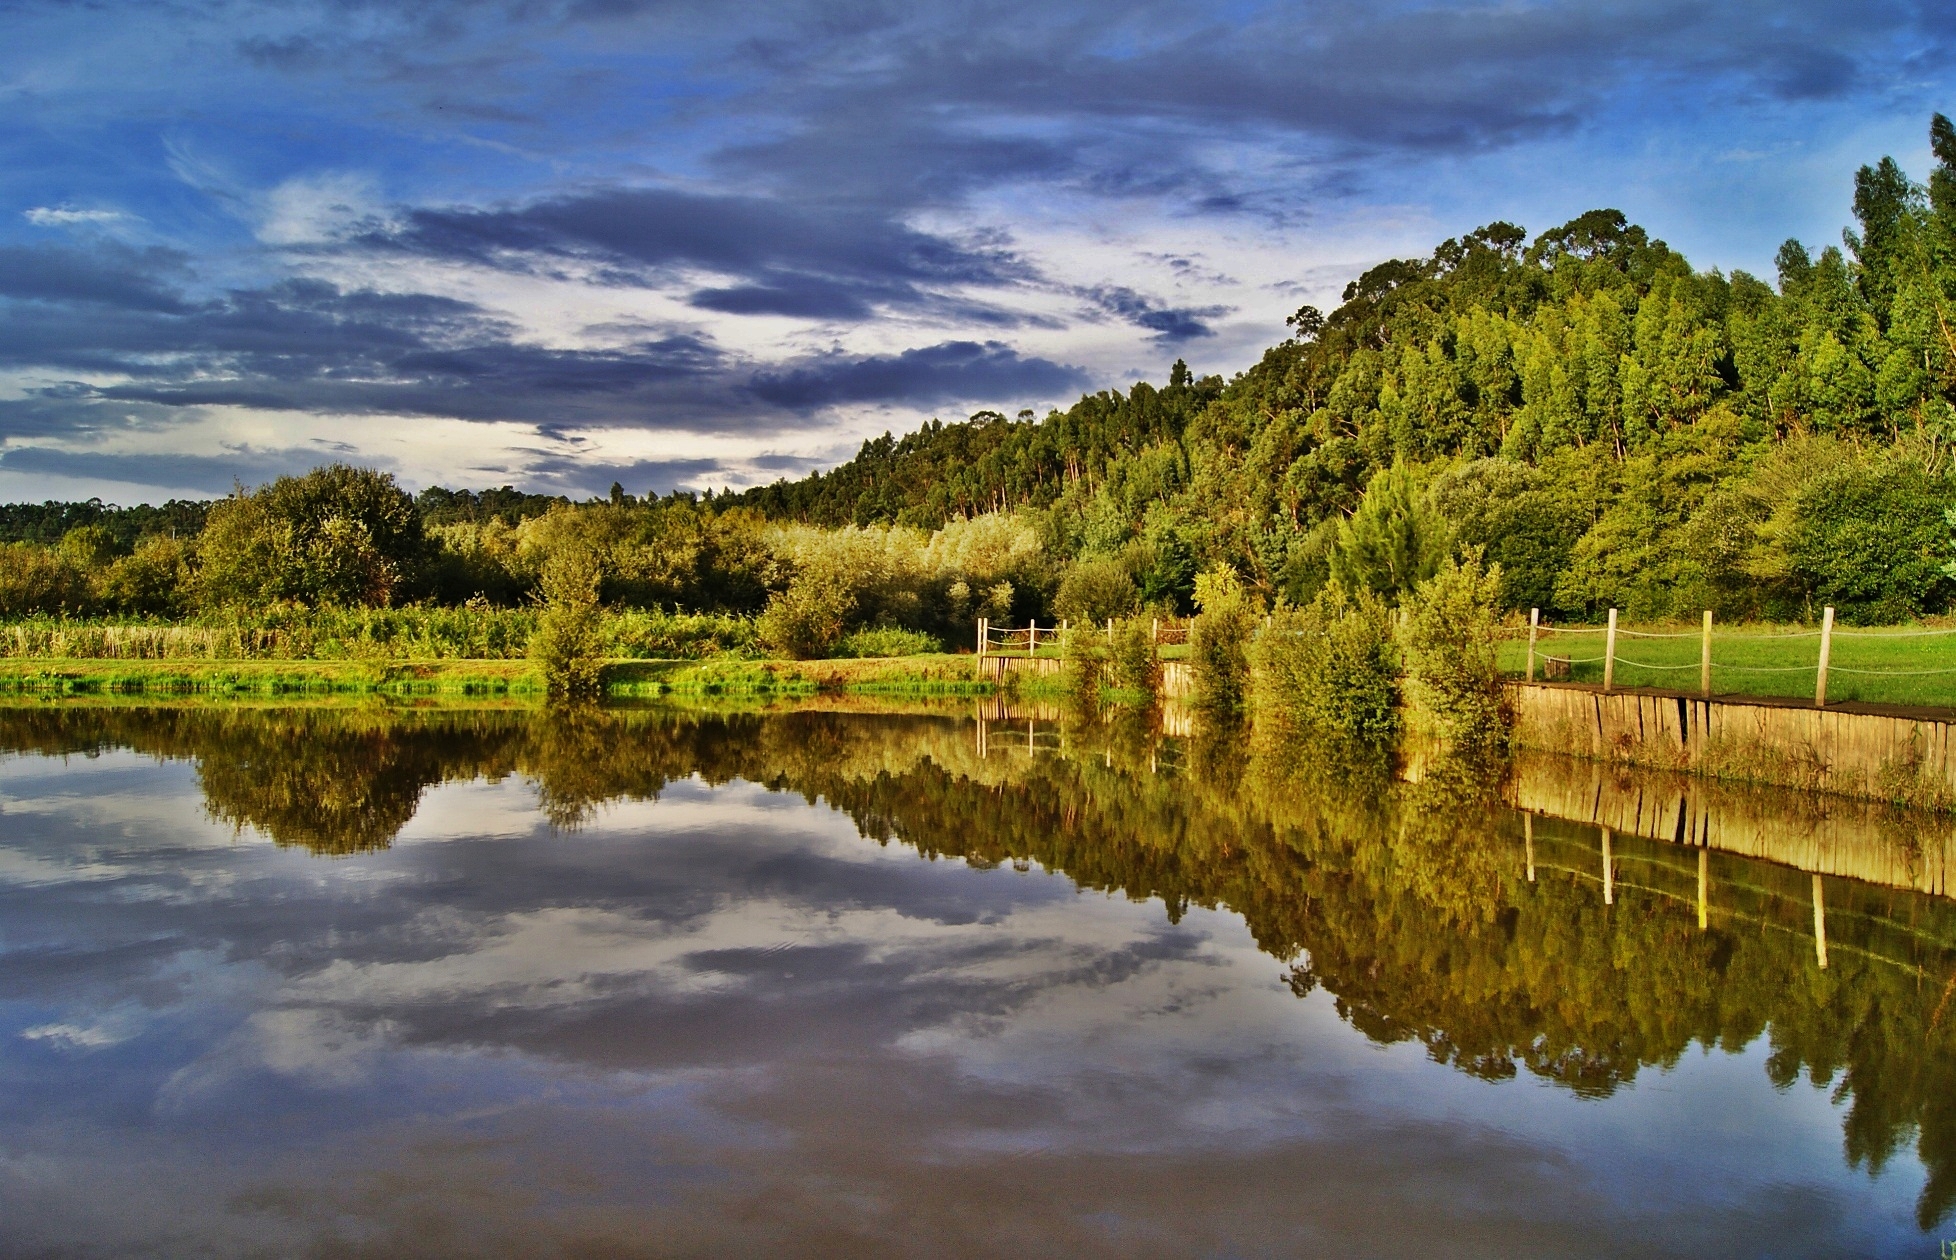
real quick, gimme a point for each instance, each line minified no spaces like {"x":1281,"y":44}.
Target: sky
{"x":561,"y":243}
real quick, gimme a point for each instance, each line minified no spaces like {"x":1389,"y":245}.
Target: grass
{"x":1773,"y":661}
{"x":932,"y":675}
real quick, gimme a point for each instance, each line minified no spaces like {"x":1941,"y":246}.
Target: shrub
{"x":1134,"y":665}
{"x":36,"y":579}
{"x":566,"y":644}
{"x":1450,"y":637}
{"x":887,"y":641}
{"x":1084,"y":650}
{"x":1331,"y":667}
{"x":1095,"y":589}
{"x":337,"y":535}
{"x":807,"y":618}
{"x":1219,"y":640}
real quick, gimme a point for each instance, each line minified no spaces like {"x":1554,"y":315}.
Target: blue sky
{"x":560,"y":242}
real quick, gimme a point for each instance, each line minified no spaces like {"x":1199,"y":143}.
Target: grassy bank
{"x":941,"y":675}
{"x":1900,"y":665}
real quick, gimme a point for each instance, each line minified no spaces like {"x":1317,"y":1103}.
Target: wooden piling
{"x":1704,"y":659}
{"x":1534,"y":628}
{"x":1826,"y":650}
{"x":1609,"y":655}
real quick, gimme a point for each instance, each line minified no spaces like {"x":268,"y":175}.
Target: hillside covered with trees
{"x":1613,"y":427}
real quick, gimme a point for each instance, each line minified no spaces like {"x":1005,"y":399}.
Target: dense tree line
{"x":1609,"y":425}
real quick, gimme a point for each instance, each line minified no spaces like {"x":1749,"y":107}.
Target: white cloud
{"x":63,"y":216}
{"x":318,"y":209}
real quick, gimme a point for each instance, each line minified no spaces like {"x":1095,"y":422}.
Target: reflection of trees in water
{"x":1408,"y":902}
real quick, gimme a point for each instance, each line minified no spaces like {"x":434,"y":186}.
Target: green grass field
{"x":1902,"y":665}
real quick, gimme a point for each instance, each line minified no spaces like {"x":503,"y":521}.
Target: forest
{"x":1612,"y":427}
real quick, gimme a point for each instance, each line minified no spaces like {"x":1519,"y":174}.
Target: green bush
{"x":807,"y":619}
{"x":336,"y":536}
{"x":567,"y":645}
{"x":887,"y":641}
{"x":37,"y":579}
{"x":1219,"y":640}
{"x":1450,"y":637}
{"x":1133,"y":664}
{"x":1331,"y":668}
{"x":1094,"y":589}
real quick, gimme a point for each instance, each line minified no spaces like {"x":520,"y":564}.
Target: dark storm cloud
{"x":835,"y":258}
{"x":309,"y":346}
{"x":952,"y":370}
{"x":209,"y":474}
{"x":1168,"y":323}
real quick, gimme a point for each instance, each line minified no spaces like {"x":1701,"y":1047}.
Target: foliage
{"x":887,"y":641}
{"x":567,"y":644}
{"x":1095,"y":589}
{"x":1329,"y":668}
{"x":1451,"y":639}
{"x":335,"y":536}
{"x":1219,"y":641}
{"x":1133,"y":663}
{"x":1394,"y":541}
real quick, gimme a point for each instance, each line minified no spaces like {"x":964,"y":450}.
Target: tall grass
{"x":409,"y":633}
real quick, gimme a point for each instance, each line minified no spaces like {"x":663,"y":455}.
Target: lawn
{"x":1898,"y":665}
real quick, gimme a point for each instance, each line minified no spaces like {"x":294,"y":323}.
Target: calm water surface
{"x":293,"y":983}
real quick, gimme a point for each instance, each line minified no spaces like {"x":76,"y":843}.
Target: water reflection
{"x":914,"y":1021}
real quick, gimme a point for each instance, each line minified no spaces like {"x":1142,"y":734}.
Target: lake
{"x":661,"y":982}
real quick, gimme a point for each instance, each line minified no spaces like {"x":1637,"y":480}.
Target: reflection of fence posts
{"x":1609,"y":875}
{"x":1819,"y":918}
{"x":1609,"y":655}
{"x":1820,"y":678}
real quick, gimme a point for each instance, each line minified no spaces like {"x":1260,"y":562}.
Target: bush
{"x":1450,"y":638}
{"x":1084,"y":650}
{"x":1219,"y":640}
{"x":36,"y":579}
{"x":1332,"y":668}
{"x":1134,"y":664}
{"x":807,"y":619}
{"x":566,"y":643}
{"x":336,"y":536}
{"x":887,"y":641}
{"x":1095,"y":589}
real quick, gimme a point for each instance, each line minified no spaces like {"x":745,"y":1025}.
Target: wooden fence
{"x":1871,"y":756}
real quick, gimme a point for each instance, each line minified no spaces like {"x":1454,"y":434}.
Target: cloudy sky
{"x":556,"y":243}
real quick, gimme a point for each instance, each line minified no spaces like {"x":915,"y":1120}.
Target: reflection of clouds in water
{"x":725,"y":1022}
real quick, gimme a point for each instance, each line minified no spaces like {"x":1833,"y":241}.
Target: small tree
{"x":1394,"y":541}
{"x":1332,"y":667}
{"x":807,"y":619}
{"x":1135,"y":665}
{"x":1219,"y":640}
{"x":1450,"y":637}
{"x":567,"y":643}
{"x":1094,"y":589}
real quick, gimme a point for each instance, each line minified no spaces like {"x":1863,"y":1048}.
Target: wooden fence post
{"x":1110,"y":632}
{"x":1826,"y":650}
{"x":1609,"y":654}
{"x":1154,"y":632}
{"x":984,"y":636}
{"x":1704,"y":659}
{"x":1032,"y":639}
{"x":1534,"y":627}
